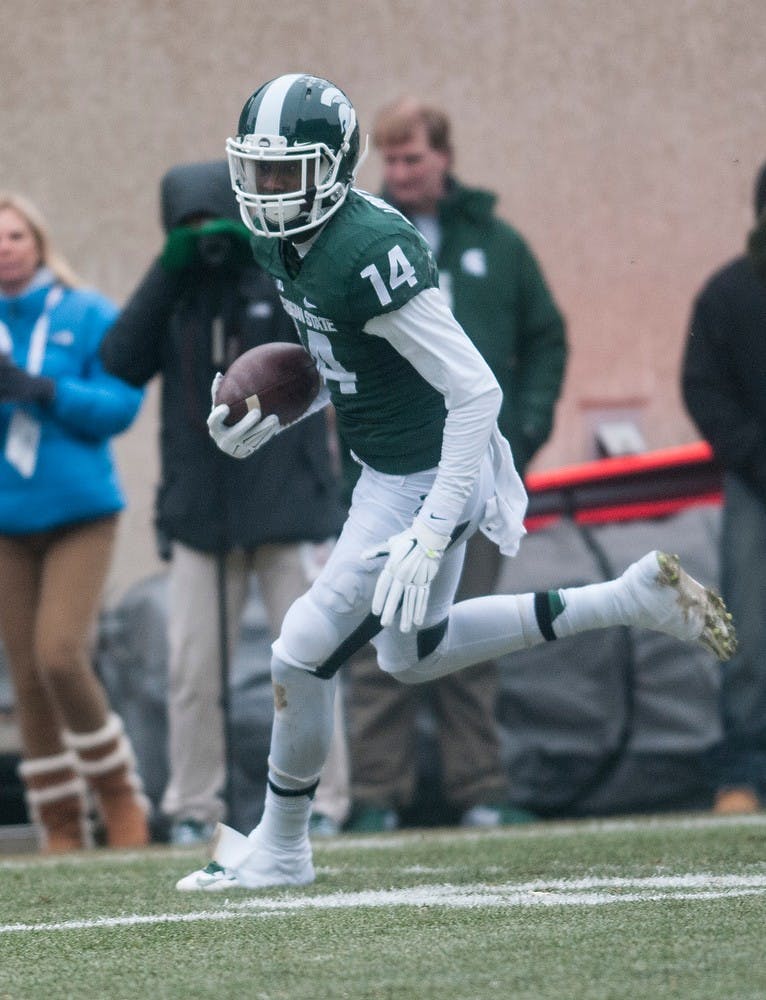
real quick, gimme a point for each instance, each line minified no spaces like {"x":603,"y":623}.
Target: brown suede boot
{"x":105,"y":759}
{"x":736,"y":801}
{"x":57,"y":801}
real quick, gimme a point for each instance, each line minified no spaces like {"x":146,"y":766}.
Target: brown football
{"x":277,"y":378}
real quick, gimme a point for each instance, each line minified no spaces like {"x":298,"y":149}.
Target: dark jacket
{"x":186,"y":325}
{"x":724,"y":365}
{"x":499,"y":296}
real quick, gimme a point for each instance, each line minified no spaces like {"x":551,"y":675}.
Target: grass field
{"x":646,"y":908}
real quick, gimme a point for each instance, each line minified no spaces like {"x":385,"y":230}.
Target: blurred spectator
{"x":498,"y":294}
{"x":724,"y":384}
{"x":203,"y":302}
{"x":59,"y":502}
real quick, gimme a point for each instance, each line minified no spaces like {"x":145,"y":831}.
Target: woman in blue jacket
{"x":59,"y":502}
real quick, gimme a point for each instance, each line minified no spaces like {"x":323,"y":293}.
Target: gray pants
{"x":382,"y":715}
{"x":741,"y":759}
{"x":195,"y":720}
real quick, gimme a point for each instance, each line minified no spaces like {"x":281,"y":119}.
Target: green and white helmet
{"x":294,"y":156}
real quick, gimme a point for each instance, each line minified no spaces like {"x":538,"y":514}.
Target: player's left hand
{"x":413,"y":561}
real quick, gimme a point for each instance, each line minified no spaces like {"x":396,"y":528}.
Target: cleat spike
{"x":696,"y":614}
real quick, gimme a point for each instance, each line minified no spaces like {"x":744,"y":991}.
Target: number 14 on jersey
{"x":400,"y":272}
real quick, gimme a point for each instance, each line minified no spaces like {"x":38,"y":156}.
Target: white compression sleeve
{"x":479,"y":629}
{"x":302,"y":725}
{"x":425,"y":332}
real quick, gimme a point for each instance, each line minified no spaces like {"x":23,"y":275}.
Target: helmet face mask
{"x":295,"y":156}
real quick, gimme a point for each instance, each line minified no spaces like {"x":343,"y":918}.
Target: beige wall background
{"x":622,"y":140}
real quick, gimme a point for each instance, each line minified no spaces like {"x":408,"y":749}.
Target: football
{"x":277,"y":378}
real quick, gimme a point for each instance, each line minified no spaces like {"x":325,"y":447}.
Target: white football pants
{"x":320,"y":622}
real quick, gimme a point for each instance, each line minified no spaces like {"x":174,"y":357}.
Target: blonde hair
{"x":397,"y":122}
{"x":48,"y":256}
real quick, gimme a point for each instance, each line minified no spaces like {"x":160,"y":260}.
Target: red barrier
{"x":651,"y":484}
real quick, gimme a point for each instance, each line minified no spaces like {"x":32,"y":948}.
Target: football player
{"x":417,"y":405}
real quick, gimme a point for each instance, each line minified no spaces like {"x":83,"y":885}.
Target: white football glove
{"x":413,"y":560}
{"x":247,"y":435}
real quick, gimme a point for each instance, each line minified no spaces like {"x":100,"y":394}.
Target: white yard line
{"x":595,"y":891}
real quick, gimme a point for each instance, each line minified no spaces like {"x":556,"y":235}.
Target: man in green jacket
{"x":498,"y":294}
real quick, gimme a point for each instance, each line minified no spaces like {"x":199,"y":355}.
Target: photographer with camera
{"x":202,"y":303}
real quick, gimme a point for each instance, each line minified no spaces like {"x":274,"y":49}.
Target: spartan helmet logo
{"x":346,"y":115}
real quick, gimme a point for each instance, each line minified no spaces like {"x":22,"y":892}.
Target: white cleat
{"x":241,"y":862}
{"x":212,"y":878}
{"x":228,"y":848}
{"x":667,"y":599}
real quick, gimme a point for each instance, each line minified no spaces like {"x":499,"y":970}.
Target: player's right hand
{"x":247,"y":435}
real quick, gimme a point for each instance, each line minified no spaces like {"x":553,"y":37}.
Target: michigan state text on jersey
{"x":366,"y":262}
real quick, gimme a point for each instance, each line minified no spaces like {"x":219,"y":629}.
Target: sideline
{"x":401,"y":838}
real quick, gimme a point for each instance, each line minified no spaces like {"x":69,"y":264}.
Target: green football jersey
{"x":368,"y":261}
